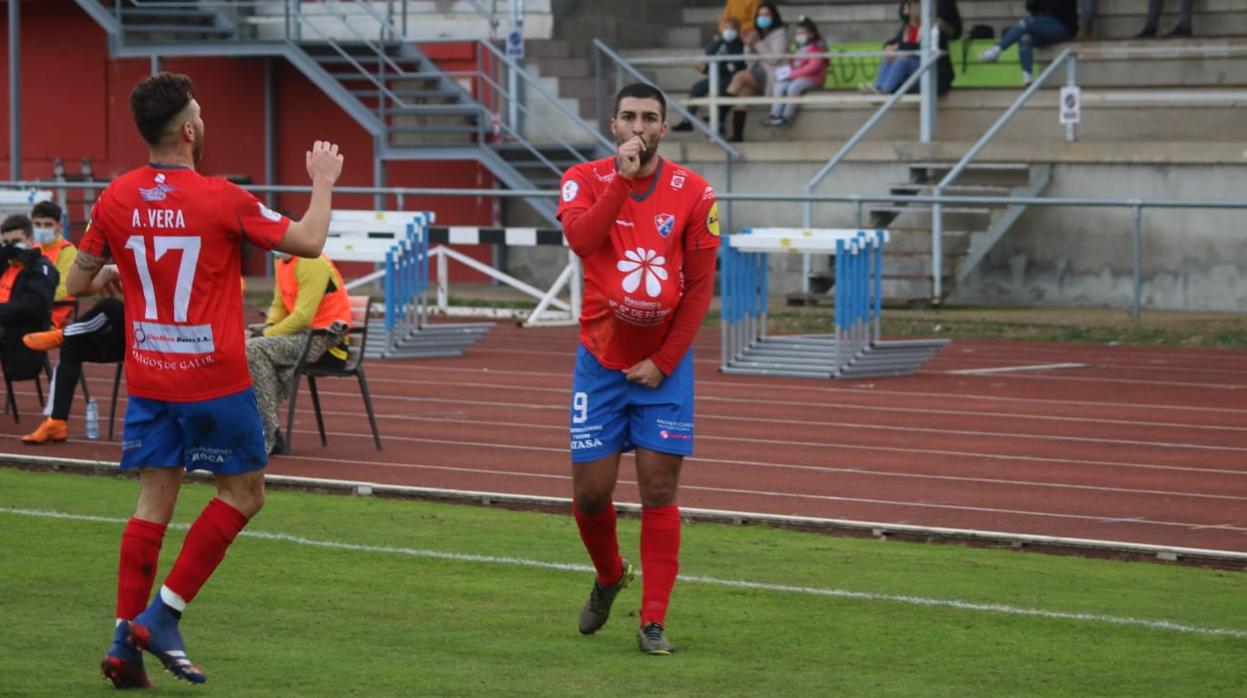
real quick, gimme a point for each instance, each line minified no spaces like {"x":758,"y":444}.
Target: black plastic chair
{"x":10,"y":398}
{"x":361,"y":307}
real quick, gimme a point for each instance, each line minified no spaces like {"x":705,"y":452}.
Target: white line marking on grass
{"x":1013,"y":369}
{"x":957,"y":604}
{"x":691,"y":578}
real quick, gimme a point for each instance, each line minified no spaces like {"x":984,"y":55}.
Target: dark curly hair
{"x":46,"y":209}
{"x":158,"y":99}
{"x":642,"y":90}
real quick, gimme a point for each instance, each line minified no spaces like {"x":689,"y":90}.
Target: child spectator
{"x":801,"y":75}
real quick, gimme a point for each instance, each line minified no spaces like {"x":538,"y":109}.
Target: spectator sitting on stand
{"x":727,"y":43}
{"x":1050,"y":22}
{"x":800,"y":75}
{"x":770,"y":38}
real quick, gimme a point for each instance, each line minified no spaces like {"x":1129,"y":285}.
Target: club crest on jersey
{"x":570,"y":190}
{"x":665,"y":222}
{"x":158,"y":192}
{"x":677,"y":181}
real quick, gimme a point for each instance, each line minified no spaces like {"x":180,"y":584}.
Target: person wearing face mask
{"x":770,"y":38}
{"x":27,"y":284}
{"x":802,"y":74}
{"x":309,"y":295}
{"x":728,"y":43}
{"x":46,"y":217}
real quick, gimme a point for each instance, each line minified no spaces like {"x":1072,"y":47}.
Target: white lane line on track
{"x":757,"y":493}
{"x":913,"y":430}
{"x":842,"y":406}
{"x":929,"y":372}
{"x":839,"y":446}
{"x":789,"y":466}
{"x":1014,"y":369}
{"x":792,"y":385}
{"x":956,"y":604}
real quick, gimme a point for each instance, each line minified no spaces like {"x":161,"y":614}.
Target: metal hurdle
{"x":852,"y":350}
{"x":408,"y":332}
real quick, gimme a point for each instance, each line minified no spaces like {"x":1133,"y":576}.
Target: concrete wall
{"x":1192,"y":259}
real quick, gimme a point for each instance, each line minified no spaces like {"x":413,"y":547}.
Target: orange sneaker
{"x":51,"y":430}
{"x":43,"y":341}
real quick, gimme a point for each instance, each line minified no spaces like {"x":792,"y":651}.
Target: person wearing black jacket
{"x":27,"y":284}
{"x":1050,"y":22}
{"x":894,"y":70}
{"x":728,"y":43}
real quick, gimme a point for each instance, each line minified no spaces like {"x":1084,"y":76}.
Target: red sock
{"x":660,"y":560}
{"x":140,"y":549}
{"x":598,"y":533}
{"x":204,"y":548}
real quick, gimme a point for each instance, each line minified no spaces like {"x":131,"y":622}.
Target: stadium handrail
{"x":1066,"y":57}
{"x":1135,"y":205}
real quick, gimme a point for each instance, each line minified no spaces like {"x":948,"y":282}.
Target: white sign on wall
{"x":1071,"y":104}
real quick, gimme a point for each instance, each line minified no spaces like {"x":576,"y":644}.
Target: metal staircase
{"x":355,"y":52}
{"x":969,"y":232}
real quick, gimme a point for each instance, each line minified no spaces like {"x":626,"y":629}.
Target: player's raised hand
{"x":324,"y":162}
{"x":628,"y":160}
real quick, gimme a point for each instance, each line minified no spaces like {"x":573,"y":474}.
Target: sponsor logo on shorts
{"x":213,"y":456}
{"x":674,"y":435}
{"x":131,"y":444}
{"x":580,"y":444}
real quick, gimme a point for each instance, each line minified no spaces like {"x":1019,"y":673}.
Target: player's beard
{"x":197,"y":148}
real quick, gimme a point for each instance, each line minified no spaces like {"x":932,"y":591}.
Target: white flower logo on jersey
{"x":643,"y":263}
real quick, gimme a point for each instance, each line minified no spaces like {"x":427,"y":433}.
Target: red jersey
{"x":176,"y":238}
{"x":634,"y":282}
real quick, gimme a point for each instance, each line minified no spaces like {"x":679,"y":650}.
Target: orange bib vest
{"x":334,"y":306}
{"x":60,"y":314}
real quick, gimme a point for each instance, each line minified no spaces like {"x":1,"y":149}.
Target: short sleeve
{"x":703,"y":228}
{"x":574,"y":191}
{"x":259,"y":224}
{"x":94,"y":242}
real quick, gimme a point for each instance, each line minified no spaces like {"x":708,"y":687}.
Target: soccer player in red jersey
{"x":647,"y":231}
{"x":175,"y":236}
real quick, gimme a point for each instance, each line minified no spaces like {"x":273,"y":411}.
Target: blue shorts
{"x":223,"y":435}
{"x":610,"y":414}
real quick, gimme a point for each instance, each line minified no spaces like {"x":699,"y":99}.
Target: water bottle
{"x":93,"y":419}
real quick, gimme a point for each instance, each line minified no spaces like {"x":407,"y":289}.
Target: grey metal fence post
{"x":713,"y":117}
{"x":930,"y":44}
{"x":937,"y":251}
{"x":857,"y":214}
{"x":599,"y":87}
{"x":1071,"y":79}
{"x":1136,"y":313}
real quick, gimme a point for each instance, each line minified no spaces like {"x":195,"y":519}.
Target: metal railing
{"x":1066,"y":57}
{"x":400,"y":196}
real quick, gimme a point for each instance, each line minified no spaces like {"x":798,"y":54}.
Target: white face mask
{"x":45,"y":236}
{"x":802,"y":39}
{"x":729,"y":34}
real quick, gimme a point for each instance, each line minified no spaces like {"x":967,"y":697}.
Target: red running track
{"x":1141,"y":445}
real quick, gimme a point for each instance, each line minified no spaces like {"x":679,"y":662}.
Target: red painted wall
{"x":75,"y":104}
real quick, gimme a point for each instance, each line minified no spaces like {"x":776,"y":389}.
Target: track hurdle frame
{"x":853,"y":349}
